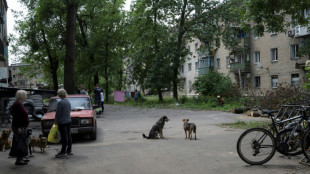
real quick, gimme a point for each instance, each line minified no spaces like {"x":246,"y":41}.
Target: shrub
{"x":214,"y":83}
{"x":274,"y":98}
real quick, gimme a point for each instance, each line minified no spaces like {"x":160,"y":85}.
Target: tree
{"x":39,"y":43}
{"x":187,"y":20}
{"x":69,"y":74}
{"x":150,"y":44}
{"x":213,"y":84}
{"x":271,"y":15}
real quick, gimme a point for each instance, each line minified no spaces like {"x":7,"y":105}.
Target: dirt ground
{"x":120,"y":148}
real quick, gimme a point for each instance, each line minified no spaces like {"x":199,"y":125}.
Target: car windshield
{"x":77,"y":103}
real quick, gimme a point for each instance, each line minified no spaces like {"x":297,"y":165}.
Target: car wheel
{"x":93,"y":135}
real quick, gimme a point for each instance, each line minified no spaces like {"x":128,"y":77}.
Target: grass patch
{"x":196,"y":103}
{"x":246,"y":124}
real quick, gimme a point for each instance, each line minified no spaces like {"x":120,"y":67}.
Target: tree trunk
{"x":155,"y":2}
{"x":69,"y":75}
{"x":120,"y":80}
{"x":178,"y":51}
{"x":106,"y":77}
{"x":96,"y":78}
{"x":86,"y":45}
{"x":160,"y":94}
{"x":54,"y":63}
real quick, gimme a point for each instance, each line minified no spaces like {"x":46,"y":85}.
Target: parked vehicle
{"x":83,"y":116}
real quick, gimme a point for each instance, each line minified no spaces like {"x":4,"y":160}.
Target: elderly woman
{"x":19,"y":124}
{"x":63,"y":120}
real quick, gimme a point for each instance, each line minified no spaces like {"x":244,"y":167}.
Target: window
{"x":274,"y":54}
{"x":190,"y":85}
{"x":196,"y":47}
{"x":256,"y":57}
{"x":294,"y":50}
{"x":14,"y":76}
{"x":189,"y":67}
{"x":257,"y":82}
{"x":218,"y":63}
{"x":274,"y":81}
{"x":295,"y":80}
{"x":255,"y":34}
{"x":237,"y":58}
{"x":272,"y":33}
{"x":182,"y":69}
{"x":228,"y":59}
{"x":196,"y":66}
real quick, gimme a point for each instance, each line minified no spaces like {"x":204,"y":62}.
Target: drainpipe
{"x":240,"y":80}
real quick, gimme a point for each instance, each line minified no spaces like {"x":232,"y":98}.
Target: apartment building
{"x":4,"y":77}
{"x":257,"y":63}
{"x":18,"y":80}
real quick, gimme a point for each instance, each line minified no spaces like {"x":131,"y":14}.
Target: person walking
{"x":19,"y":124}
{"x":63,"y":119}
{"x":102,"y":100}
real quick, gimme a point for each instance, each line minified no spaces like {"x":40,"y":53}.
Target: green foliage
{"x":199,"y":103}
{"x":270,"y":15}
{"x":214,"y":83}
{"x":273,"y":99}
{"x":246,"y":124}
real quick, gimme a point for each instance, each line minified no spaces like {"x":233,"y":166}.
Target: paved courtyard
{"x":120,"y":148}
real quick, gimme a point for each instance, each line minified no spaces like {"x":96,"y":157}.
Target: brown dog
{"x":5,"y":141}
{"x":189,"y":127}
{"x":38,"y":142}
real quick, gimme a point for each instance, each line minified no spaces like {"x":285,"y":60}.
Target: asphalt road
{"x":120,"y":148}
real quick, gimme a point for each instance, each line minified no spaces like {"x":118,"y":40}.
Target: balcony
{"x":244,"y":43}
{"x":243,"y":66}
{"x":203,"y":53}
{"x":204,"y":70}
{"x":206,"y":64}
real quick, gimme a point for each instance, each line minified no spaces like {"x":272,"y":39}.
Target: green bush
{"x":214,"y":83}
{"x":183,"y":99}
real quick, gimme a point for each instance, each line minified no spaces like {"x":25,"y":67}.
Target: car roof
{"x":74,"y":96}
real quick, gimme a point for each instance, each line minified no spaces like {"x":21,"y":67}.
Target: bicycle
{"x":5,"y":119}
{"x":257,"y":146}
{"x":306,"y":146}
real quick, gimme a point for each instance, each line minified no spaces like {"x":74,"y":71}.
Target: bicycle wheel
{"x":293,"y":145}
{"x":306,"y":144}
{"x":256,"y":146}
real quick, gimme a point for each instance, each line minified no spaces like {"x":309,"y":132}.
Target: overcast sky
{"x":15,"y":5}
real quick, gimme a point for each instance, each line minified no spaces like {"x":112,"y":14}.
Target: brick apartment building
{"x":4,"y":75}
{"x":257,"y":63}
{"x":18,"y":80}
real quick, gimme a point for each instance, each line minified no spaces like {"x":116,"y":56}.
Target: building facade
{"x":18,"y":80}
{"x":257,"y":63}
{"x":4,"y":43}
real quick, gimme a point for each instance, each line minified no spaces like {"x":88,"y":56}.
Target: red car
{"x":83,"y":116}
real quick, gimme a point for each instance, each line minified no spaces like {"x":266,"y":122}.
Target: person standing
{"x":97,"y":95}
{"x":82,"y":90}
{"x":136,"y":96}
{"x":19,"y":124}
{"x":102,"y":100}
{"x":63,"y":119}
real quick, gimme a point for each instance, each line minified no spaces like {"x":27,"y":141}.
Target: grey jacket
{"x":63,"y":111}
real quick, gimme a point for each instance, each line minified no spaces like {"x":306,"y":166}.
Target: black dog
{"x":28,"y":141}
{"x":157,"y":129}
